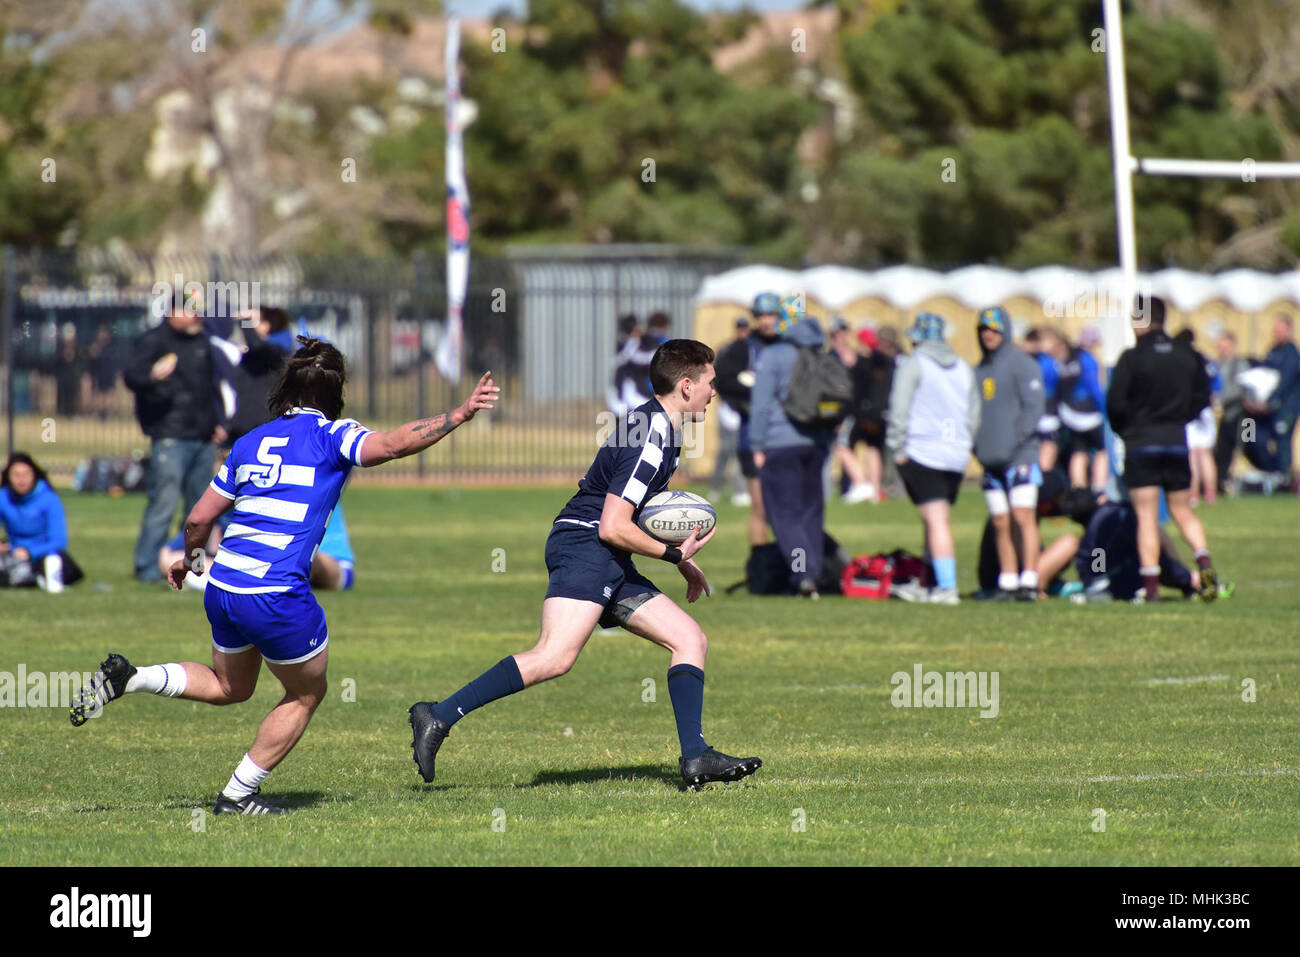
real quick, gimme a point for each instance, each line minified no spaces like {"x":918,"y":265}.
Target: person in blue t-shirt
{"x":31,"y":517}
{"x":281,"y":483}
{"x":594,"y":582}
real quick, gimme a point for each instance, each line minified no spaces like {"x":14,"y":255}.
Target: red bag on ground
{"x":868,"y":576}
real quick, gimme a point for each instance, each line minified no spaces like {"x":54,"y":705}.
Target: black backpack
{"x":821,"y":390}
{"x":766,"y":571}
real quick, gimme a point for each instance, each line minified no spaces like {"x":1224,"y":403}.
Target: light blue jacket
{"x":769,"y":427}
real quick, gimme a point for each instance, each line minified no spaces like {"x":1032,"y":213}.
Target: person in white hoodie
{"x":934,"y":414}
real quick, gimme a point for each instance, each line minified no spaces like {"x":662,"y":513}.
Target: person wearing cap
{"x":871,"y":386}
{"x":1159,"y":386}
{"x":934,"y":414}
{"x":791,"y":456}
{"x":1006,"y":445}
{"x":854,"y":482}
{"x":734,"y":380}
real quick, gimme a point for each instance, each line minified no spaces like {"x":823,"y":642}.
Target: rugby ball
{"x":672,"y":516}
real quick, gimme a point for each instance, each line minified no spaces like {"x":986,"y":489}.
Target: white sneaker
{"x":742,"y":500}
{"x":945,"y":596}
{"x":861,"y":492}
{"x":51,"y":578}
{"x":910,"y":591}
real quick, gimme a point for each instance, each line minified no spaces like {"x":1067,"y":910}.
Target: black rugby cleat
{"x":107,"y":684}
{"x":428,"y":733}
{"x":711,"y":765}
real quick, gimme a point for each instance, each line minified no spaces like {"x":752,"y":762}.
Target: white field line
{"x":1194,"y":680}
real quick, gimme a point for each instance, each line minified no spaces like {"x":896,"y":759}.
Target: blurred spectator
{"x":69,"y":367}
{"x":1006,"y":445}
{"x":1272,"y":450}
{"x":1159,"y":386}
{"x":104,"y":362}
{"x":875,"y":378}
{"x":1230,"y":401}
{"x":31,"y":516}
{"x":1049,"y":426}
{"x":1080,"y":405}
{"x":632,"y":374}
{"x":178,"y":406}
{"x":629,"y":334}
{"x":854,"y":484}
{"x":1200,"y":434}
{"x":734,"y":380}
{"x":791,"y":457}
{"x":934,"y":413}
{"x":333,"y":568}
{"x":730,"y":422}
{"x":268,"y":343}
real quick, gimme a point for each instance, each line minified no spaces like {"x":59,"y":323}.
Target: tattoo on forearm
{"x":434,"y":428}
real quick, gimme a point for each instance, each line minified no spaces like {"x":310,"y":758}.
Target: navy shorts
{"x":287,"y":627}
{"x":582,"y":566}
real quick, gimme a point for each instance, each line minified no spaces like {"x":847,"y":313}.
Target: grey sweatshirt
{"x":1011,"y":393}
{"x":915,"y":424}
{"x":769,"y":428}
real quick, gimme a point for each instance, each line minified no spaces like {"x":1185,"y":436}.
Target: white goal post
{"x":1117,"y":333}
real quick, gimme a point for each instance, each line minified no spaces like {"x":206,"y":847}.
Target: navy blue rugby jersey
{"x":635,"y":463}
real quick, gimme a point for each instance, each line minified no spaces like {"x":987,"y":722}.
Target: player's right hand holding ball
{"x":696,"y":583}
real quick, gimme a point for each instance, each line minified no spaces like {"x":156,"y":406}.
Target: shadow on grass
{"x":288,"y":799}
{"x":641,"y":772}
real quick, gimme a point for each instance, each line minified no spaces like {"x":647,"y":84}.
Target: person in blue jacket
{"x":31,"y":515}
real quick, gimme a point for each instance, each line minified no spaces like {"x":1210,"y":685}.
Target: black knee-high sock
{"x":686,"y":689}
{"x":500,"y":680}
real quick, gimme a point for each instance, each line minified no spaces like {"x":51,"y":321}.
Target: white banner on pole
{"x":449,"y":344}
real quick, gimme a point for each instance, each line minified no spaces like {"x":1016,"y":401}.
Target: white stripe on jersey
{"x":303,"y":475}
{"x":250,"y":534}
{"x":221,"y":491}
{"x":652,"y":455}
{"x":346,"y":447}
{"x":635,"y":491}
{"x":272,"y":507}
{"x":241,"y":563}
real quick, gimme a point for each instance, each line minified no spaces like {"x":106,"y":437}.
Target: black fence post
{"x":419,"y":269}
{"x":7,"y":319}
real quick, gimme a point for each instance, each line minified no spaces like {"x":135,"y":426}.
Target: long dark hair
{"x":313,"y":377}
{"x":25,"y":459}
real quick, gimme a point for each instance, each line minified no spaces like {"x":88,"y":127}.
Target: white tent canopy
{"x":904,"y":287}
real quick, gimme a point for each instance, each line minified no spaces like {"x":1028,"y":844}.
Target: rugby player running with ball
{"x":593,"y":581}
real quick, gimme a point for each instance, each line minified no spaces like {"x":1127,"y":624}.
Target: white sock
{"x":1008,"y":581}
{"x":248,"y":777}
{"x":1028,"y":579}
{"x":167,"y":680}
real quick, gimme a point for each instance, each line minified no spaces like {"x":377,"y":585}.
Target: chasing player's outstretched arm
{"x":413,"y":437}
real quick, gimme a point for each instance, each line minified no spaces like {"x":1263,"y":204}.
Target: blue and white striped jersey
{"x":635,"y":463}
{"x":285,"y":478}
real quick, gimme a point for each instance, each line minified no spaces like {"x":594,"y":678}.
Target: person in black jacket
{"x":179,"y":408}
{"x":734,"y":382}
{"x":269,"y":343}
{"x":1159,"y":386}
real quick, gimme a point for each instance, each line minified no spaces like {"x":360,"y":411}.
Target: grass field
{"x":583,"y":770}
